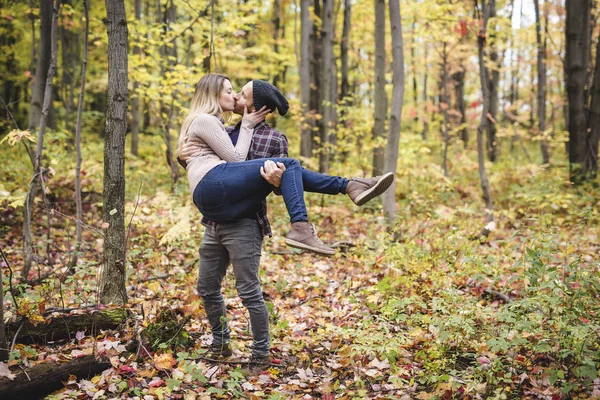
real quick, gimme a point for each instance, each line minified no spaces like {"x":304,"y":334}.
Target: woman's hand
{"x":250,"y":120}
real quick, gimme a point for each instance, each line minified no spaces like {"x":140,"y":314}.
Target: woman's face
{"x":227,"y":97}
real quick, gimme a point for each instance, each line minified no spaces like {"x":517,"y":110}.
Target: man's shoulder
{"x":265,"y":129}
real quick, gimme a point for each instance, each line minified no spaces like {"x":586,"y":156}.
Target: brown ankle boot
{"x":304,"y":236}
{"x":361,"y":190}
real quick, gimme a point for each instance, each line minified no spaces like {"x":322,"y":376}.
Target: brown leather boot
{"x":361,"y":190}
{"x":303,"y":235}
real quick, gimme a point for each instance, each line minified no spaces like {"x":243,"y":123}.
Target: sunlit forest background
{"x":477,"y":277}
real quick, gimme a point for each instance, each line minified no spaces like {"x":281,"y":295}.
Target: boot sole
{"x":303,"y":246}
{"x":381,"y":186}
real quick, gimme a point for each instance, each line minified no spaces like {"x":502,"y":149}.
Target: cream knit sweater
{"x":207,"y":145}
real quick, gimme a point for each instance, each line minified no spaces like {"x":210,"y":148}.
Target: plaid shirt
{"x":266,"y":143}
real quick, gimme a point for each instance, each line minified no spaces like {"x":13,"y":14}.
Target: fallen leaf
{"x":164,"y":361}
{"x":5,"y":372}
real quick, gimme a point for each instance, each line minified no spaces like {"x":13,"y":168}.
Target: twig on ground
{"x":499,"y":295}
{"x":10,"y":278}
{"x":233,"y":362}
{"x":12,"y":345}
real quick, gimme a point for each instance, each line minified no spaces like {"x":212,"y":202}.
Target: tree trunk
{"x":70,"y":51}
{"x":380,"y":95}
{"x":591,"y":160}
{"x":413,"y":68}
{"x":459,"y":79}
{"x":3,"y":343}
{"x":578,"y":43}
{"x":66,"y":326}
{"x":445,"y":104}
{"x":305,"y":33}
{"x":276,"y":32}
{"x":316,"y":64}
{"x":326,"y":101}
{"x":135,"y":99}
{"x":42,"y":379}
{"x":425,"y":132}
{"x":37,"y":162}
{"x":391,"y":159}
{"x":112,"y":284}
{"x":43,"y":64}
{"x":493,"y":81}
{"x":344,"y":50}
{"x":541,"y":72}
{"x":78,"y":203}
{"x":485,"y":188}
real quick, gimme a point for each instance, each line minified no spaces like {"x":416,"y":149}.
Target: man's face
{"x":244,"y":98}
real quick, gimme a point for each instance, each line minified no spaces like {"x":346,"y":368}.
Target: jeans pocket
{"x":211,"y":196}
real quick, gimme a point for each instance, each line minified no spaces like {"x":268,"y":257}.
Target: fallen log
{"x":45,"y":378}
{"x":65,"y":326}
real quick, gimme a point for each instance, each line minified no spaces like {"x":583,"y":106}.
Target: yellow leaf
{"x":164,"y":361}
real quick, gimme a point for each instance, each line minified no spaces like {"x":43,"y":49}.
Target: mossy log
{"x":45,"y":378}
{"x":66,"y":326}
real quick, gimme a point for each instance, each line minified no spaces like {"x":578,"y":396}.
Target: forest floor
{"x":430,"y":312}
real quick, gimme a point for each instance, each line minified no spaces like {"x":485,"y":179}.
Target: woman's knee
{"x":291,"y":163}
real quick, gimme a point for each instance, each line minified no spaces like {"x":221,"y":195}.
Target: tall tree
{"x":327,"y":100}
{"x":481,"y":129}
{"x":541,"y":80}
{"x":70,"y":51}
{"x":135,"y":99}
{"x":43,"y":64}
{"x":459,"y":92}
{"x":316,"y":64}
{"x":380,"y":102}
{"x":583,"y":135}
{"x":112,"y":284}
{"x":78,"y":204}
{"x":38,"y":171}
{"x":391,"y":156}
{"x":305,"y":58}
{"x":345,"y":89}
{"x":493,"y":82}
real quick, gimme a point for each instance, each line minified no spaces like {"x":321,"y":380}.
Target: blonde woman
{"x":226,"y":187}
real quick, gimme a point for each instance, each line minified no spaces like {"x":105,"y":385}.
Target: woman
{"x":226,"y":187}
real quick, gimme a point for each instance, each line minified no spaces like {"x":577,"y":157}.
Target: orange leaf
{"x":164,"y":361}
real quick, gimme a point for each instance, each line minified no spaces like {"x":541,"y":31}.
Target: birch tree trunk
{"x":391,"y":159}
{"x":485,"y":187}
{"x":380,"y":95}
{"x":305,"y":30}
{"x":112,"y":283}
{"x":78,"y":234}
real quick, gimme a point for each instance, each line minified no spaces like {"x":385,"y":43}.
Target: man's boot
{"x":304,"y":236}
{"x":361,"y":190}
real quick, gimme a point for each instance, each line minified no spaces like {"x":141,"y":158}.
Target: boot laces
{"x":314,"y":231}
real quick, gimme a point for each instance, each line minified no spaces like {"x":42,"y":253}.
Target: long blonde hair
{"x":205,"y":101}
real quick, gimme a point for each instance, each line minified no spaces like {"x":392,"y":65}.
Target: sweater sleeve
{"x":213,"y":133}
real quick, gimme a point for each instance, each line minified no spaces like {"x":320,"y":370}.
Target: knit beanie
{"x":265,"y":94}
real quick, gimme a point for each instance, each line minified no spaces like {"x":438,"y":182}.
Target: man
{"x":239,"y":242}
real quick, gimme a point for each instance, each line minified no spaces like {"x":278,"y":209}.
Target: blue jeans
{"x":237,"y":243}
{"x":232,"y":191}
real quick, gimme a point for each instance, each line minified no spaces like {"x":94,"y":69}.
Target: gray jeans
{"x":238,"y":243}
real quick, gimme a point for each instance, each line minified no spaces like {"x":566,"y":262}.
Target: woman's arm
{"x":213,"y":133}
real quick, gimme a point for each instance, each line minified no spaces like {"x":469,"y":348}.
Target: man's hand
{"x":272,"y":172}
